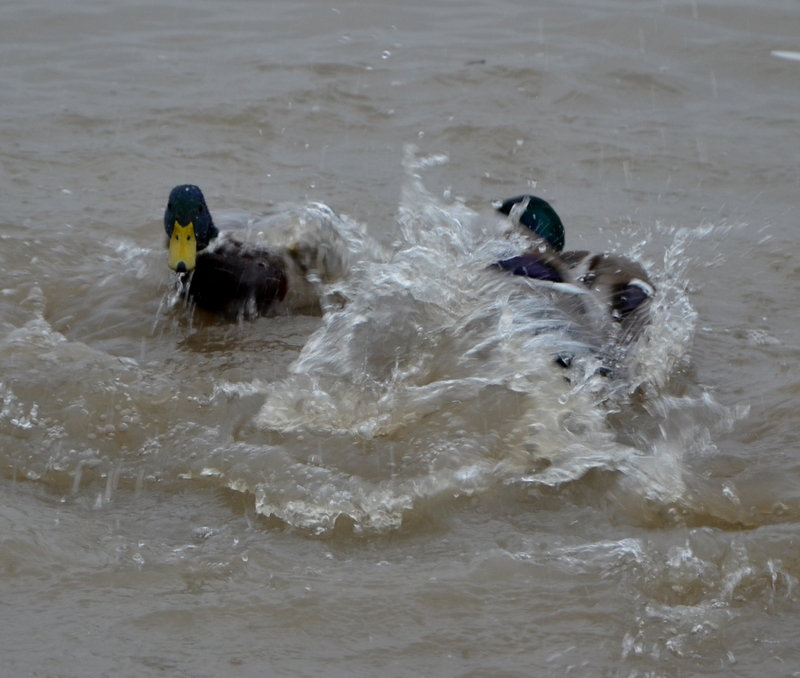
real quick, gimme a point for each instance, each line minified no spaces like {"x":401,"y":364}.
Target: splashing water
{"x":435,"y":379}
{"x":438,"y":378}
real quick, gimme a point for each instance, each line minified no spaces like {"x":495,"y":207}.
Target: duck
{"x":224,"y":274}
{"x":619,"y":283}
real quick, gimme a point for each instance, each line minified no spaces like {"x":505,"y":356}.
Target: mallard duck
{"x":223,"y":274}
{"x":619,"y":282}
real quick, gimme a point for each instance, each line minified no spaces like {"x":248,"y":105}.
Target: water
{"x":407,"y":484}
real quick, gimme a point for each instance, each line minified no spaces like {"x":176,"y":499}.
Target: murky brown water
{"x":417,"y":491}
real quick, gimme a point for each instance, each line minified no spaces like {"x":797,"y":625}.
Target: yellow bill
{"x":182,"y":247}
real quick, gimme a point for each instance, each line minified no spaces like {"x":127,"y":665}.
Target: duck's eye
{"x":188,"y":237}
{"x":199,"y":209}
{"x":169,"y":206}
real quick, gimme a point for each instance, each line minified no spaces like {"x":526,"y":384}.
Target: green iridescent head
{"x":537,"y":215}
{"x":188,"y":225}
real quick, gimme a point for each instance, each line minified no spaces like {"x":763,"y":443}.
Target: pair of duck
{"x":224,"y":275}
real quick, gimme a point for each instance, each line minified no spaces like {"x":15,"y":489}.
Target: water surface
{"x":406,"y":485}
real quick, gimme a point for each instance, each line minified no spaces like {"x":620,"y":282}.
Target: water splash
{"x":439,"y":377}
{"x":430,"y":377}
